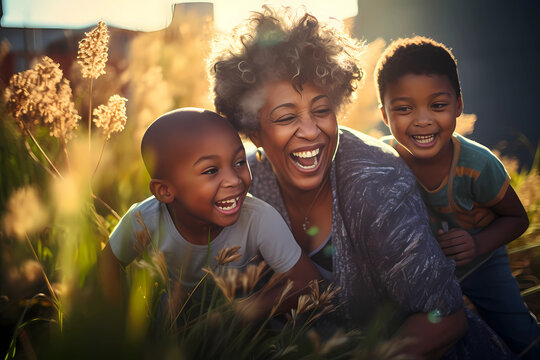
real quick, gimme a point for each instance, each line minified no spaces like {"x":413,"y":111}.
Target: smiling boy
{"x":474,"y":210}
{"x":200,"y":205}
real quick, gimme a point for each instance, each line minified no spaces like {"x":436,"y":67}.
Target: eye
{"x":240,"y":163}
{"x":322,"y":111}
{"x":402,"y":108}
{"x":285,"y":118}
{"x":210,"y":171}
{"x":439,"y":105}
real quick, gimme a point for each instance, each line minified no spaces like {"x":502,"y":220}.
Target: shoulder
{"x":150,"y":210}
{"x":366,"y":164}
{"x":359,"y":148}
{"x":389,"y":139}
{"x":474,"y":153}
{"x":146,"y":207}
{"x":255,"y":210}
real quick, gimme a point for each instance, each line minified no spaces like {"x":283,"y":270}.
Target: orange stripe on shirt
{"x":472,"y":173}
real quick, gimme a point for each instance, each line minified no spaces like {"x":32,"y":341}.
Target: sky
{"x":147,"y":15}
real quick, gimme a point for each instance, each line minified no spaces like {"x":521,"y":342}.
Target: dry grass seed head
{"x":142,"y":241}
{"x":93,"y":49}
{"x":25,"y":213}
{"x":42,"y":96}
{"x":282,"y":296}
{"x":227,"y":283}
{"x":304,"y":303}
{"x":228,"y":255}
{"x":111,"y":117}
{"x":251,"y":276}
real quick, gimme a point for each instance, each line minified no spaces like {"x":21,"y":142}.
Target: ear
{"x":459,"y":106}
{"x":255,"y":138}
{"x":161,"y":190}
{"x":383,"y":114}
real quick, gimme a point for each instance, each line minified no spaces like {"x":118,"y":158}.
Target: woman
{"x":354,"y":207}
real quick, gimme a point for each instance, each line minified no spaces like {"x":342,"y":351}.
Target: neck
{"x":430,"y":172}
{"x":305,"y":199}
{"x":192,"y":229}
{"x":444,"y":157}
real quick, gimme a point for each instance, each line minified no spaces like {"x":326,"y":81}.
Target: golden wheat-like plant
{"x":93,"y":49}
{"x":42,"y":96}
{"x":228,"y":255}
{"x":111,"y":117}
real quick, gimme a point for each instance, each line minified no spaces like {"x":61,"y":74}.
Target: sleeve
{"x":275,"y":241}
{"x":408,"y":260}
{"x":492,"y":182}
{"x":124,"y":237}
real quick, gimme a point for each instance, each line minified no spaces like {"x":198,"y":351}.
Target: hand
{"x":458,"y":245}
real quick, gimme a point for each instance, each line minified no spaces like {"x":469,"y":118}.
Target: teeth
{"x":228,"y":204}
{"x":306,"y":154}
{"x":424,"y":139}
{"x":308,"y":167}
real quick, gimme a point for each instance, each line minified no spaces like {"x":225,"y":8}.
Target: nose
{"x":307,"y":127}
{"x":231,"y":178}
{"x":423,"y":118}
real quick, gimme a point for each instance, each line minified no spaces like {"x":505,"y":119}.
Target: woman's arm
{"x":512,"y":221}
{"x":429,"y":339}
{"x":260,"y":304}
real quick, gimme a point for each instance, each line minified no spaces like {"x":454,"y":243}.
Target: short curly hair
{"x":416,"y":55}
{"x":277,"y":45}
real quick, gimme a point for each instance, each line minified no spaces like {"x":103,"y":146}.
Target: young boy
{"x":200,"y":180}
{"x":474,"y":210}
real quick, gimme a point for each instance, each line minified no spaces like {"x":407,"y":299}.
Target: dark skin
{"x":457,"y":244}
{"x":293,"y":122}
{"x":204,"y":176}
{"x":427,"y":104}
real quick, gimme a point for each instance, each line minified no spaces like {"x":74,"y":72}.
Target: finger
{"x":457,"y":251}
{"x":449,"y":243}
{"x":453,"y":235}
{"x":463,"y":257}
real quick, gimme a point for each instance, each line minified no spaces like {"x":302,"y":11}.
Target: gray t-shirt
{"x":260,"y":230}
{"x":384,"y":251}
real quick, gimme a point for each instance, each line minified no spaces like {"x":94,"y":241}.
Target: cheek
{"x":275,"y":140}
{"x":245,"y":175}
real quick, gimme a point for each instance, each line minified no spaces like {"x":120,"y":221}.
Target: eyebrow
{"x":315,"y":99}
{"x":213,"y":157}
{"x":434,"y":95}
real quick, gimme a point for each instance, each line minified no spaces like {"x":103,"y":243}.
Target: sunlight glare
{"x":146,"y":15}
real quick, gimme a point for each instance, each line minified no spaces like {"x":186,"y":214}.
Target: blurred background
{"x":496,"y":42}
{"x":156,"y":59}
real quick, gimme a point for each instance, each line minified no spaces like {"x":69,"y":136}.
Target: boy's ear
{"x":459,"y":106}
{"x":161,"y":190}
{"x":383,"y":114}
{"x":255,"y":138}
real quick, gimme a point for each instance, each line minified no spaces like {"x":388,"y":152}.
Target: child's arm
{"x":512,"y":221}
{"x":301,"y":274}
{"x":110,"y":271}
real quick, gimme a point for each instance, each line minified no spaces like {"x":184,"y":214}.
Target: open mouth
{"x":229,"y":206}
{"x":425,"y":140}
{"x":306,"y":160}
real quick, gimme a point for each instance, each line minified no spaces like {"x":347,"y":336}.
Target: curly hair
{"x":416,"y":55}
{"x":279,"y":45}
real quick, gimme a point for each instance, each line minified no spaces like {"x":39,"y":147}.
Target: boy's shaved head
{"x":171,"y":134}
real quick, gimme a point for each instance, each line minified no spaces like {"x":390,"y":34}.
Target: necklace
{"x":306,"y":225}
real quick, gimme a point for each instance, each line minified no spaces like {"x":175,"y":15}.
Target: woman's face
{"x":298,"y":132}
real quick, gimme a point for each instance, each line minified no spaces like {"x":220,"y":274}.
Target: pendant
{"x":306,"y":224}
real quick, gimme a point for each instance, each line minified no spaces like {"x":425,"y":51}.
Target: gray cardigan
{"x":385,"y":252}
